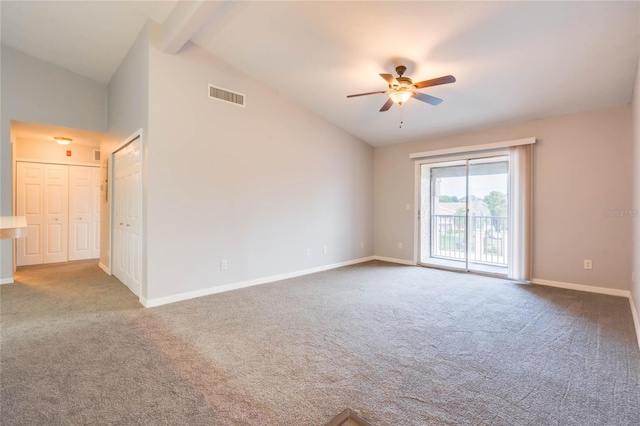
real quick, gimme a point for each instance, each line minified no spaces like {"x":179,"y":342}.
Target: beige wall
{"x":582,"y":169}
{"x":51,"y":151}
{"x":635,"y":284}
{"x":255,"y":186}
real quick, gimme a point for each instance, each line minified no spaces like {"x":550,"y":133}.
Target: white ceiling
{"x":87,"y":37}
{"x":513,"y":60}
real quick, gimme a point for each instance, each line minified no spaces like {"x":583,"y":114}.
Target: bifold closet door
{"x":56,"y":213}
{"x":95,"y":212}
{"x":62,"y":206}
{"x":30,"y":203}
{"x":119,"y":198}
{"x":82,"y":230}
{"x":43,"y":197}
{"x":127,"y":214}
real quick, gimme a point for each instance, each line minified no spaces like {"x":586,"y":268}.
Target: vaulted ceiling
{"x":513,"y":60}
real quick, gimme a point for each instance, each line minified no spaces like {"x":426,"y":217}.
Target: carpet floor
{"x":398,"y":345}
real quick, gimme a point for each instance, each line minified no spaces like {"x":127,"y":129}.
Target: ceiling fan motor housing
{"x":404,"y":81}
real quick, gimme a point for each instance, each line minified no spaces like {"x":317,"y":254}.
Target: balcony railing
{"x":488,"y":236}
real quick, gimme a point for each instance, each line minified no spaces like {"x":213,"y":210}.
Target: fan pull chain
{"x":401,"y":122}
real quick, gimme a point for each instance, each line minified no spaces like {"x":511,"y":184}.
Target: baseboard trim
{"x":104,"y":268}
{"x":634,"y":313}
{"x":582,"y":287}
{"x":6,"y":281}
{"x":394,"y":260}
{"x":150,"y":303}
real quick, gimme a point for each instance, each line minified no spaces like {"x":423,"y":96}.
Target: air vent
{"x":96,"y":155}
{"x":226,"y":96}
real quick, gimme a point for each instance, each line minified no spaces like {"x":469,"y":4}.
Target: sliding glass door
{"x":464,"y":214}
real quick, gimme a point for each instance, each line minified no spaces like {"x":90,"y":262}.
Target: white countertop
{"x":13,"y":227}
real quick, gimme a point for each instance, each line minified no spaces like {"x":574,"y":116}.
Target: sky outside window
{"x":480,"y":185}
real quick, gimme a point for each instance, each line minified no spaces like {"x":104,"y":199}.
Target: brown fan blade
{"x":427,"y":98}
{"x":435,"y":81}
{"x":389,"y":78}
{"x":369,"y":93}
{"x":386,"y":105}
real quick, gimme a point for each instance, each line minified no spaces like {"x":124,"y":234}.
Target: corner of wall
{"x":635,"y":265}
{"x":636,"y":322}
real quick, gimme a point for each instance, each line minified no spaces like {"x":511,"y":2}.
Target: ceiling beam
{"x":183,"y":23}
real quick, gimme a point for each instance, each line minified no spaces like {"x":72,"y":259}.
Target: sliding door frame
{"x":417,"y":224}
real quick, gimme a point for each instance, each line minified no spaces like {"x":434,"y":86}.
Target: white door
{"x":118,"y":197}
{"x":80,"y":212}
{"x":127,"y":214}
{"x":56,"y":213}
{"x":30,"y":203}
{"x":134,"y":217}
{"x":95,"y":212}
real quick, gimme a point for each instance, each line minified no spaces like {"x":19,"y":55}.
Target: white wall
{"x":255,"y":186}
{"x":582,"y":168}
{"x":128,"y":112}
{"x":36,"y":91}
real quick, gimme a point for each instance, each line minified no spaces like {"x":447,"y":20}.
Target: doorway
{"x":464,"y":214}
{"x":57,"y":188}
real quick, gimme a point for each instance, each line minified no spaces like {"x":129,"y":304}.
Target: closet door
{"x":119,"y":198}
{"x":127,"y":208}
{"x":56,"y":213}
{"x":30,"y":203}
{"x":134,"y":217}
{"x":80,"y":212}
{"x":95,"y":212}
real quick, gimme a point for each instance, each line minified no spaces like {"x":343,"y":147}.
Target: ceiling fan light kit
{"x":401,"y":95}
{"x":402,"y":88}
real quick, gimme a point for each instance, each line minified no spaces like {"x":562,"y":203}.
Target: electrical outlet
{"x":324,"y":250}
{"x":361,"y":244}
{"x":308,"y":252}
{"x":399,"y":245}
{"x":223,"y":264}
{"x":408,"y":206}
{"x":588,"y":264}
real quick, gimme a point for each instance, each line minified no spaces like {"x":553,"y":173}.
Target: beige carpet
{"x":398,"y":345}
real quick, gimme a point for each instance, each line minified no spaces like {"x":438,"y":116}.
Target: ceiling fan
{"x":402,"y":88}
